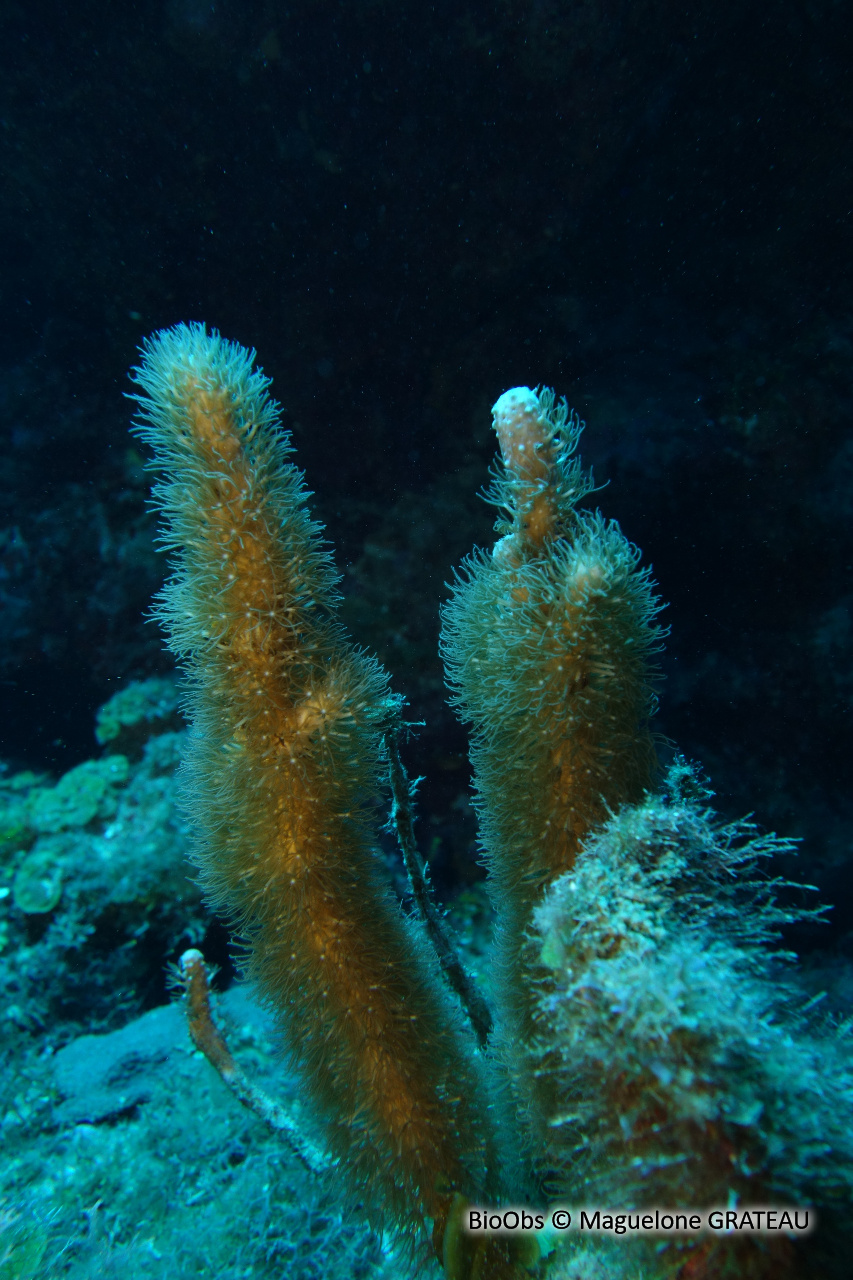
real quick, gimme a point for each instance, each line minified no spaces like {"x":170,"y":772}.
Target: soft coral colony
{"x":648,"y":1046}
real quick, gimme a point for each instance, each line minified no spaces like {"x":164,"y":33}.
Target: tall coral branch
{"x":547,"y":642}
{"x":284,"y":768}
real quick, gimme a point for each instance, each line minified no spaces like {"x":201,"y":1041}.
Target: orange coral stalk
{"x":547,"y":641}
{"x":283,"y":772}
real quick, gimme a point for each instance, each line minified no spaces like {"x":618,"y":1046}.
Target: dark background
{"x":407,"y":208}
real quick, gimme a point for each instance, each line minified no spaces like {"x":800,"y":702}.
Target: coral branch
{"x":402,"y":819}
{"x":207,"y":1037}
{"x":282,"y":777}
{"x":547,"y":642}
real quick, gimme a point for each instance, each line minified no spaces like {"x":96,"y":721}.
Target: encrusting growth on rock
{"x":657,"y":956}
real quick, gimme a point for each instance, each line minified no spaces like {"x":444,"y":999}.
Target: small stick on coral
{"x":207,"y":1037}
{"x":402,"y":818}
